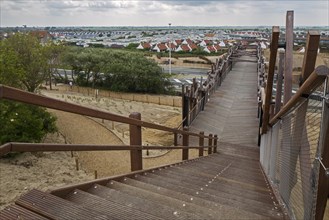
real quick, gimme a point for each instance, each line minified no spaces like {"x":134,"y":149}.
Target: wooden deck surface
{"x":231,"y":112}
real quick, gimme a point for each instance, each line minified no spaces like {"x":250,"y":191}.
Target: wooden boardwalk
{"x":226,"y":185}
{"x":231,"y":112}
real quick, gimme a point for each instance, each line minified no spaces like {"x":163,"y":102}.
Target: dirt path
{"x":82,"y":130}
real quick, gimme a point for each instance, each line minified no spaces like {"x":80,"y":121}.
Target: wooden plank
{"x":312,"y":46}
{"x":54,"y":207}
{"x":270,"y":76}
{"x":289,"y":56}
{"x":18,"y":212}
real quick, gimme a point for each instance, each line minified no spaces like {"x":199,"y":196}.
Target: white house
{"x":222,"y":44}
{"x":262,"y":45}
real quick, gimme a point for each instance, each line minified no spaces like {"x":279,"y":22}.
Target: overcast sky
{"x":160,"y":13}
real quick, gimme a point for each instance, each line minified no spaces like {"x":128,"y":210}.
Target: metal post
{"x":210,"y":144}
{"x":185,"y":143}
{"x":201,"y":144}
{"x":136,"y":160}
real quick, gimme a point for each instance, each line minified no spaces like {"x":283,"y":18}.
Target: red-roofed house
{"x":193,"y":46}
{"x":144,"y":46}
{"x":205,"y":43}
{"x":184,"y":47}
{"x":177,"y":42}
{"x":217,"y":47}
{"x":210,"y":49}
{"x":187,"y":41}
{"x":160,"y":47}
{"x":171,"y":45}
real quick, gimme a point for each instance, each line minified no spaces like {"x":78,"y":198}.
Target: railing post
{"x":288,"y":56}
{"x":185,"y":143}
{"x":201,"y":144}
{"x":185,"y":107}
{"x":175,"y":139}
{"x":136,"y":160}
{"x":269,"y":83}
{"x":210,"y":144}
{"x":215,"y":143}
{"x":279,"y":83}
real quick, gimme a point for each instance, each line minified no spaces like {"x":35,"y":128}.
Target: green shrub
{"x":24,"y":123}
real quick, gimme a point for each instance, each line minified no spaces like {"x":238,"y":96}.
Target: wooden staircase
{"x":219,"y":186}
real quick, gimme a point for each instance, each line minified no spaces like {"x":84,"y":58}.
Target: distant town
{"x":161,"y":39}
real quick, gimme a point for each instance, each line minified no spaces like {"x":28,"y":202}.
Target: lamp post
{"x":169,"y":50}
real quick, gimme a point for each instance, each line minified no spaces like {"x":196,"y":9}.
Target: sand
{"x":51,"y":170}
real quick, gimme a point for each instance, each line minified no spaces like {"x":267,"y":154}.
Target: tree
{"x":11,"y":72}
{"x":28,"y":59}
{"x":23,"y":65}
{"x":116,"y":70}
{"x":53,"y":53}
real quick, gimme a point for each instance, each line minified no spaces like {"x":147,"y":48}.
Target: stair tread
{"x":210,"y":194}
{"x":223,"y":210}
{"x":18,"y":212}
{"x":54,"y":207}
{"x":109,"y":208}
{"x":141,"y":204}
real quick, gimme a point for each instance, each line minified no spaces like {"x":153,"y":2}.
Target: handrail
{"x":313,"y":81}
{"x":181,"y":124}
{"x":43,"y":147}
{"x":31,"y":98}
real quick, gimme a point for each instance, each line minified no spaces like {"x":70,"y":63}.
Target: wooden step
{"x":144,"y":205}
{"x":169,"y":200}
{"x":107,"y":207}
{"x":224,"y":211}
{"x":54,"y":207}
{"x":264,"y":197}
{"x":191,"y":187}
{"x":18,"y":212}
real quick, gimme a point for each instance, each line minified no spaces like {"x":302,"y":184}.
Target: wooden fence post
{"x":136,"y":160}
{"x":269,"y":83}
{"x":215,"y":143}
{"x":185,"y":107}
{"x":279,"y":82}
{"x":210,"y":144}
{"x":201,"y":144}
{"x":185,"y":143}
{"x":289,"y":56}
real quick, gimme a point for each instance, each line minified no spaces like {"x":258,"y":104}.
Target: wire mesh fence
{"x":289,"y":153}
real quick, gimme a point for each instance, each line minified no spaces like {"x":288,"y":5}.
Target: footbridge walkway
{"x":233,"y":178}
